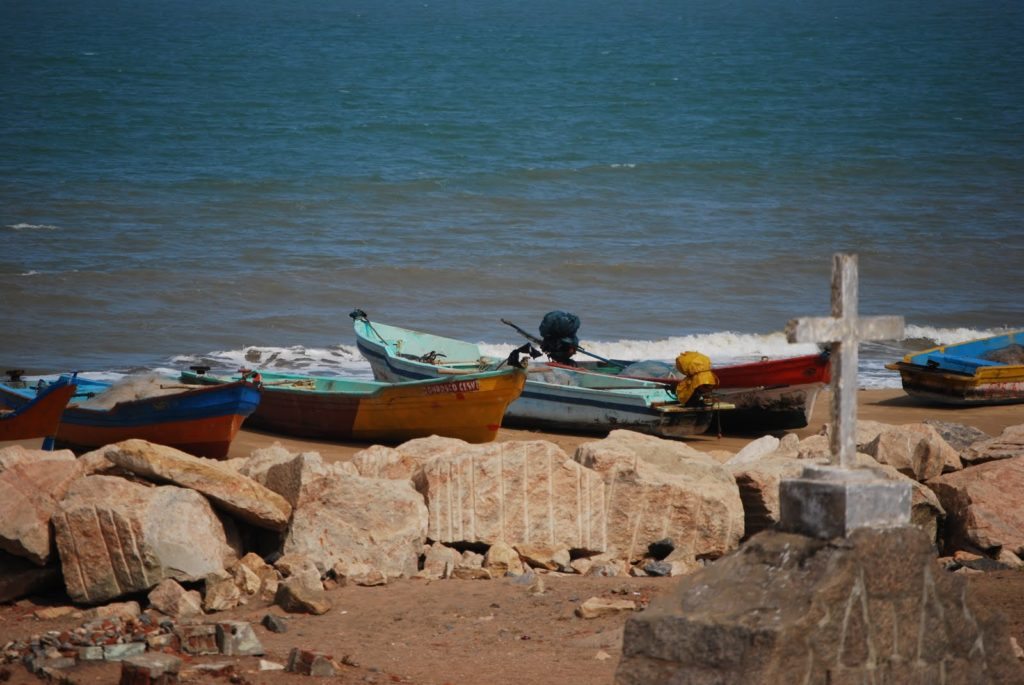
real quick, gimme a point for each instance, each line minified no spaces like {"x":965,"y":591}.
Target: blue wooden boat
{"x":977,"y":372}
{"x":199,"y":420}
{"x":553,"y":398}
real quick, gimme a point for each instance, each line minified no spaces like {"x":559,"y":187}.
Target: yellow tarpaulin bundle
{"x":697,"y":369}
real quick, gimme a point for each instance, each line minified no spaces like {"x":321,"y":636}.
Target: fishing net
{"x":555,"y":377}
{"x":651,"y":369}
{"x":1012,"y":355}
{"x":131,"y":388}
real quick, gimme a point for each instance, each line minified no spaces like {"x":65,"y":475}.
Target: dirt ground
{"x":462,"y":632}
{"x":449,"y":632}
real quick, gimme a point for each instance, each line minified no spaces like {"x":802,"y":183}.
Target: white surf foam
{"x":32,"y":227}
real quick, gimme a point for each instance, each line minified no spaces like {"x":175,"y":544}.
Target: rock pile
{"x":202,"y":536}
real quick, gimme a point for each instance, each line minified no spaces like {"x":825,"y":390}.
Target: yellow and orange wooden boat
{"x":37,"y":418}
{"x":976,"y":372}
{"x":469,"y":407}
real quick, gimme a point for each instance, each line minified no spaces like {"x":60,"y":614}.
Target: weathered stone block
{"x":655,"y":488}
{"x":351,"y":520}
{"x":829,"y":502}
{"x":516,"y":492}
{"x":871,"y":607}
{"x":227,"y":489}
{"x":116,"y":537}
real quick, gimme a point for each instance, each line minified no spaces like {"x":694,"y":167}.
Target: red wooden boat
{"x":772,"y":394}
{"x":38,"y":418}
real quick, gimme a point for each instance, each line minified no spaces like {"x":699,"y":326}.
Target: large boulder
{"x":758,"y":484}
{"x":238,"y":495}
{"x":14,"y":454}
{"x":870,"y":608}
{"x":515,"y":492}
{"x":657,"y":489}
{"x":29,"y":494}
{"x":754,"y":451}
{"x":915,"y":450}
{"x":406,"y":460}
{"x":983,"y":506}
{"x":959,"y":436}
{"x":115,"y":537}
{"x":284,"y":472}
{"x":345,"y":520}
{"x":1009,"y":444}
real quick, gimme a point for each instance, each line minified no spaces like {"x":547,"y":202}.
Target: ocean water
{"x":224,"y":181}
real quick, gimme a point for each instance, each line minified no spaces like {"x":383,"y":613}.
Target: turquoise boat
{"x":554,"y":398}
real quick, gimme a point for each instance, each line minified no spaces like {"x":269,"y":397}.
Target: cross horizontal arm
{"x":828,"y":330}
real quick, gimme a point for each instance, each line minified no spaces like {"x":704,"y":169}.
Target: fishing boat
{"x":469,"y":407}
{"x":977,"y":372}
{"x":37,"y":418}
{"x":768,"y":395}
{"x":200,"y":421}
{"x":560,"y":399}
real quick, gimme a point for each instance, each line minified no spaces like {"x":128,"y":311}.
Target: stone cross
{"x":843,"y":331}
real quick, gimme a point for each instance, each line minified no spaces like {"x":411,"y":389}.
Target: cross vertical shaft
{"x":842,"y":333}
{"x":844,"y":360}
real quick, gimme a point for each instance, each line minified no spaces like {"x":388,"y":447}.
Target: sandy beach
{"x":458,"y":632}
{"x":888,"y":406}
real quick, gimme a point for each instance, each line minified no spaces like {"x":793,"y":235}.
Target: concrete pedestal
{"x":831,"y":502}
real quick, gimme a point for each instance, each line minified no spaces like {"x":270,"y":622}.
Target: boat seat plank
{"x":955,"y":362}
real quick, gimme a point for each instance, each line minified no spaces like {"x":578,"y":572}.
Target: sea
{"x":223,"y":181}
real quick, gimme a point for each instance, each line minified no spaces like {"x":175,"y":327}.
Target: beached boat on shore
{"x":768,"y":395}
{"x":553,"y":398}
{"x":37,"y":418}
{"x":199,"y":420}
{"x":469,"y":407}
{"x":977,"y":372}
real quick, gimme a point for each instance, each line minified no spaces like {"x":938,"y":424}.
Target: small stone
{"x":236,"y":638}
{"x":150,"y":669}
{"x":197,"y":639}
{"x":658,"y":568}
{"x":119,"y":610}
{"x":309,"y":662}
{"x":469,"y":573}
{"x":295,"y":597}
{"x":49,"y":613}
{"x":270,"y":665}
{"x":123,"y":651}
{"x":164,"y":642}
{"x":371,"y":578}
{"x":90,"y":653}
{"x":596,"y":607}
{"x":275,"y":624}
